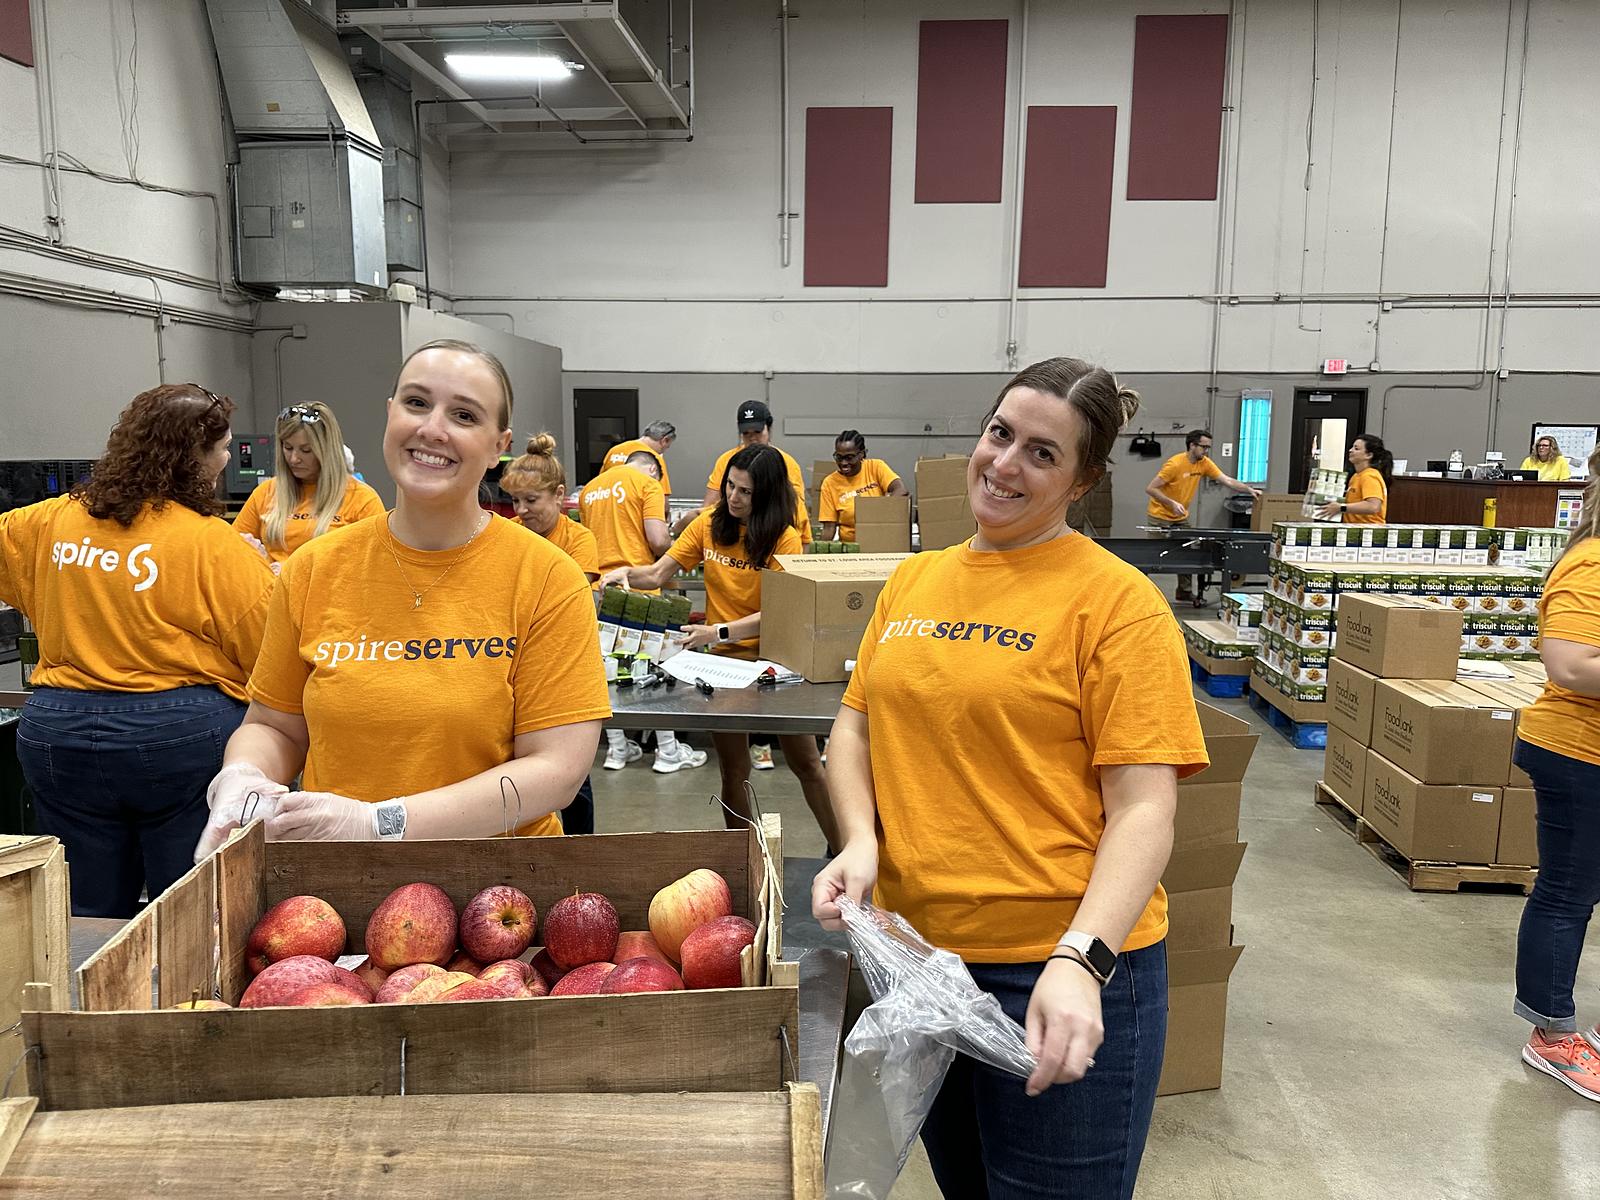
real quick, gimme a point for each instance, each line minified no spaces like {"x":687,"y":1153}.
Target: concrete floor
{"x":1371,"y":1047}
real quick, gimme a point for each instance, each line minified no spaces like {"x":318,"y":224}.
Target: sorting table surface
{"x":796,"y":708}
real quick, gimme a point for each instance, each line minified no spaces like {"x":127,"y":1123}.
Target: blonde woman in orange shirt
{"x":1004,"y":774}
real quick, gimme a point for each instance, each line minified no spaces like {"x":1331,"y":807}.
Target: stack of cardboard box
{"x":944,"y":514}
{"x":814,"y":611}
{"x":883,"y":524}
{"x":1423,"y":758}
{"x":1199,"y":882}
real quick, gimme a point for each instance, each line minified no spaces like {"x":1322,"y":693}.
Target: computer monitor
{"x":1523,"y":476}
{"x":1438,"y":464}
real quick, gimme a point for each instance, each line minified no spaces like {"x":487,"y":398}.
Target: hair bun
{"x":1129,"y":399}
{"x":542,"y":443}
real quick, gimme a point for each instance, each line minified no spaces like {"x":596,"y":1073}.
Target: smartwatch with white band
{"x":722,"y":633}
{"x":1100,"y":958}
{"x":389,"y":820}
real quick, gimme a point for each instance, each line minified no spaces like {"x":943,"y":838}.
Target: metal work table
{"x":787,"y":708}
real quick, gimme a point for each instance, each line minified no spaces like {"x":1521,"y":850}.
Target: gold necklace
{"x":416,"y":596}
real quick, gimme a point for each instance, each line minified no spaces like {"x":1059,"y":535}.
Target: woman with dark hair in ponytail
{"x":857,"y":476}
{"x":1366,"y":497}
{"x":752,"y":523}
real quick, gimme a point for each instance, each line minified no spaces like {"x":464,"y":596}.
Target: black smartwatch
{"x":722,"y":633}
{"x":1093,"y":953}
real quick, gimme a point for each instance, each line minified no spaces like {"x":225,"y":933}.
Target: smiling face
{"x":1025,"y":469}
{"x":301,"y":457}
{"x":848,"y":459}
{"x":537,"y":510}
{"x":740,"y":492}
{"x":1200,"y":449}
{"x":443,"y":429}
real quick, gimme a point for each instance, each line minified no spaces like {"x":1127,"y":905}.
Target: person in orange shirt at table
{"x":1558,"y":745}
{"x":857,"y":476}
{"x":1004,"y":772}
{"x":1172,"y":494}
{"x":1366,"y":497}
{"x":656,"y":440}
{"x":150,"y":612}
{"x":755,"y":429}
{"x":432,"y":674}
{"x":312,"y":489}
{"x":749,"y":527}
{"x":1548,"y":460}
{"x":627,"y":510}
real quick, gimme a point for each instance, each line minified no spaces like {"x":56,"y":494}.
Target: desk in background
{"x":1413,"y":500}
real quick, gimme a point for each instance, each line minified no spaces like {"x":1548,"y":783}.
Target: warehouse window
{"x":1255,"y":435}
{"x":16,"y":38}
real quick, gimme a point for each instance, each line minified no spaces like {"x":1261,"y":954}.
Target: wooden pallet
{"x":1223,"y":687}
{"x":1423,"y":876}
{"x":1302,"y":735}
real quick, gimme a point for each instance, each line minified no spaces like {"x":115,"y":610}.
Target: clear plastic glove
{"x":238,"y":793}
{"x":321,"y":817}
{"x":257,"y":545}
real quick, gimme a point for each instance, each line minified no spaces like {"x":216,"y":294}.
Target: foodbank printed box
{"x":1431,"y":822}
{"x":1399,"y":638}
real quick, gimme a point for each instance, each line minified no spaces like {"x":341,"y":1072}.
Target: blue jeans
{"x":1550,"y":938}
{"x":578,"y":817}
{"x":120,"y":778}
{"x":986,"y":1138}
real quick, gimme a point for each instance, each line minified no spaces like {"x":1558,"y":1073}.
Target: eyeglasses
{"x":300,"y":412}
{"x":847,"y":458}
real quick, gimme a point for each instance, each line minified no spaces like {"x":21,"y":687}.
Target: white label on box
{"x":650,"y":644}
{"x":627,"y":642}
{"x":1483,"y":797}
{"x":1500,"y":715}
{"x":608,"y":637}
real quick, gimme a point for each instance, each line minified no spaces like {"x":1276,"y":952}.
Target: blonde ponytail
{"x":537,"y":469}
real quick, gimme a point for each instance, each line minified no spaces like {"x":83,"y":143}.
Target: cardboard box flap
{"x":1202,"y":966}
{"x":883,"y":510}
{"x":1230,"y":743}
{"x":1203,"y":867}
{"x":846,"y":568}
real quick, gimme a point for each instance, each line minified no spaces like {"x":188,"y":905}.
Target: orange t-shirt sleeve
{"x":690,"y":548}
{"x":829,"y":507}
{"x":1168,"y":474}
{"x":1365,"y":485}
{"x":249,"y":518}
{"x":886,"y":475}
{"x":655,"y":500}
{"x":16,"y":544}
{"x":1572,"y":604}
{"x":855,"y":692}
{"x":789,"y":543}
{"x":280,"y":674}
{"x":1136,"y":700}
{"x":558,"y":678}
{"x":584,"y":549}
{"x":1212,"y":470}
{"x":364,"y":503}
{"x":240,"y":583}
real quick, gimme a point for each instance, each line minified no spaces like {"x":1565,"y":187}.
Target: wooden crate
{"x":35,"y":928}
{"x":575,"y":1147}
{"x":128,"y":1048}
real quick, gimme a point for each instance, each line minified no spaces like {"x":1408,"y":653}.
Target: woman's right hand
{"x":229,"y":798}
{"x":853,"y":872}
{"x":616,"y":578}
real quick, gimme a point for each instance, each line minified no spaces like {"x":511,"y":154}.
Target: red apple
{"x":641,"y":974}
{"x":415,"y":924}
{"x":711,"y":953}
{"x":280,"y":981}
{"x":510,"y":975}
{"x":354,"y":982}
{"x":583,"y":981}
{"x":686,"y":904}
{"x":298,"y":925}
{"x":464,"y":962}
{"x":435,"y":986}
{"x":535,"y":986}
{"x":478,"y":989}
{"x":639,"y":943}
{"x":193,"y":1005}
{"x":398,"y":986}
{"x":373,"y":976}
{"x":498,"y":923}
{"x":545,"y":967}
{"x":328,"y":995}
{"x":579,"y":929}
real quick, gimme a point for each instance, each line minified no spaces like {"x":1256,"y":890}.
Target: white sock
{"x":667,"y":743}
{"x":616,"y":740}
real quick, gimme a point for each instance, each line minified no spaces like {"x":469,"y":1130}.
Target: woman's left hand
{"x":1064,"y":1024}
{"x":699,"y":636}
{"x":1328,"y":511}
{"x":320,"y":817}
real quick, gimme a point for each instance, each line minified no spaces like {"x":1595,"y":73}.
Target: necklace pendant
{"x":416,"y":602}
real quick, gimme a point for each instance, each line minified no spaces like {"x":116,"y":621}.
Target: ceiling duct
{"x":309,"y":195}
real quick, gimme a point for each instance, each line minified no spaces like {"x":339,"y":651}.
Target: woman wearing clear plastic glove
{"x":1004,"y":774}
{"x":433,"y":673}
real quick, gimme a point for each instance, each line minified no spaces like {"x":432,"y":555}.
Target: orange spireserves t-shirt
{"x":359,"y":503}
{"x":619,"y":453}
{"x":176,"y":599}
{"x":733,"y":581}
{"x":1180,"y":479}
{"x":1561,"y":720}
{"x":839,"y":494}
{"x":399,"y":699}
{"x":615,"y":505}
{"x":577,"y":543}
{"x":1366,"y":484}
{"x":797,"y":480}
{"x":996,"y":686}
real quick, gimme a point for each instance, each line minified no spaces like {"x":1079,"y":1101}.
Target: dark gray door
{"x":602,"y":417}
{"x":1325,"y":420}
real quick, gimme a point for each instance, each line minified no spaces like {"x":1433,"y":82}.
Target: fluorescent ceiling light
{"x":507,"y":67}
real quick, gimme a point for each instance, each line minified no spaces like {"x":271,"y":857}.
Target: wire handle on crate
{"x":773,"y":873}
{"x":248,"y":807}
{"x":505,"y":806}
{"x":31,"y":1048}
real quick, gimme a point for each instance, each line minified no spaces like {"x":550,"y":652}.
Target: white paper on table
{"x":717,"y":670}
{"x":1483,"y":668}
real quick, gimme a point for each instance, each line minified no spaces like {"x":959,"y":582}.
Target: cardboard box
{"x":1429,"y":822}
{"x":1443,"y":732}
{"x":1519,"y":840}
{"x":821,"y":468}
{"x":1394,"y":637}
{"x":1351,"y":693}
{"x":1515,"y":695}
{"x":883,"y":524}
{"x":941,"y":510}
{"x":1208,"y":813}
{"x":1199,"y":885}
{"x":1197,"y":1017}
{"x":1344,"y":768}
{"x":941,"y":477}
{"x":1309,"y":707}
{"x":1215,"y":647}
{"x":814,"y":611}
{"x":1272,"y":508}
{"x":1229,"y":744}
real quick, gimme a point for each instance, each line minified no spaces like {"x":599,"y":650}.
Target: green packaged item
{"x":613,"y":602}
{"x":659,"y":614}
{"x":850,"y":547}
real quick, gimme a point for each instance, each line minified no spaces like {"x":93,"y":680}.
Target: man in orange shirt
{"x":657,"y":439}
{"x":1172,"y":494}
{"x":755,"y":429}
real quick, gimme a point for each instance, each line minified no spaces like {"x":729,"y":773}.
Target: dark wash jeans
{"x":1566,"y":890}
{"x":120,"y":778}
{"x":986,"y":1139}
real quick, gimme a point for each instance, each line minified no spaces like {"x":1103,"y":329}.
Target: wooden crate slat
{"x":805,"y":1140}
{"x":14,"y":1116}
{"x":578,"y":1147}
{"x":186,"y":936}
{"x":241,"y":899}
{"x":117,"y":977}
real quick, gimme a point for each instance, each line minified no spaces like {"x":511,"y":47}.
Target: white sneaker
{"x":683,"y":756}
{"x":631,"y":752}
{"x":761,"y":757}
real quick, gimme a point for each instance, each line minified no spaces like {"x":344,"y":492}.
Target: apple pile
{"x":419,"y":950}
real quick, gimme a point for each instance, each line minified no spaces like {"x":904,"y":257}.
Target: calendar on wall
{"x":1577,"y":442}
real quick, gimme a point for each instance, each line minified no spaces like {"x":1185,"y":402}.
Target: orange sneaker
{"x":1571,"y":1059}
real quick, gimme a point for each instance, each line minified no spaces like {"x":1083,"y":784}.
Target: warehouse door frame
{"x":601,"y":417}
{"x":1312,"y":405}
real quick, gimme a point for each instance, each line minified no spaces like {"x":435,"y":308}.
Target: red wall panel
{"x":961,"y":111}
{"x":16,"y":35}
{"x":1066,"y":196}
{"x":847,"y":196}
{"x":1175,"y":129}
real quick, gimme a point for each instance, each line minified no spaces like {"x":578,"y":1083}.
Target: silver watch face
{"x":391,"y":820}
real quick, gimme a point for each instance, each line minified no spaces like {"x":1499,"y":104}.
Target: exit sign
{"x":1335,"y":366}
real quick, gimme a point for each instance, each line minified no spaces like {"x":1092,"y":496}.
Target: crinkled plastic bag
{"x":925,"y":1008}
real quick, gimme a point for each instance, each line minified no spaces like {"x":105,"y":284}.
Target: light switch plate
{"x":1227,"y":449}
